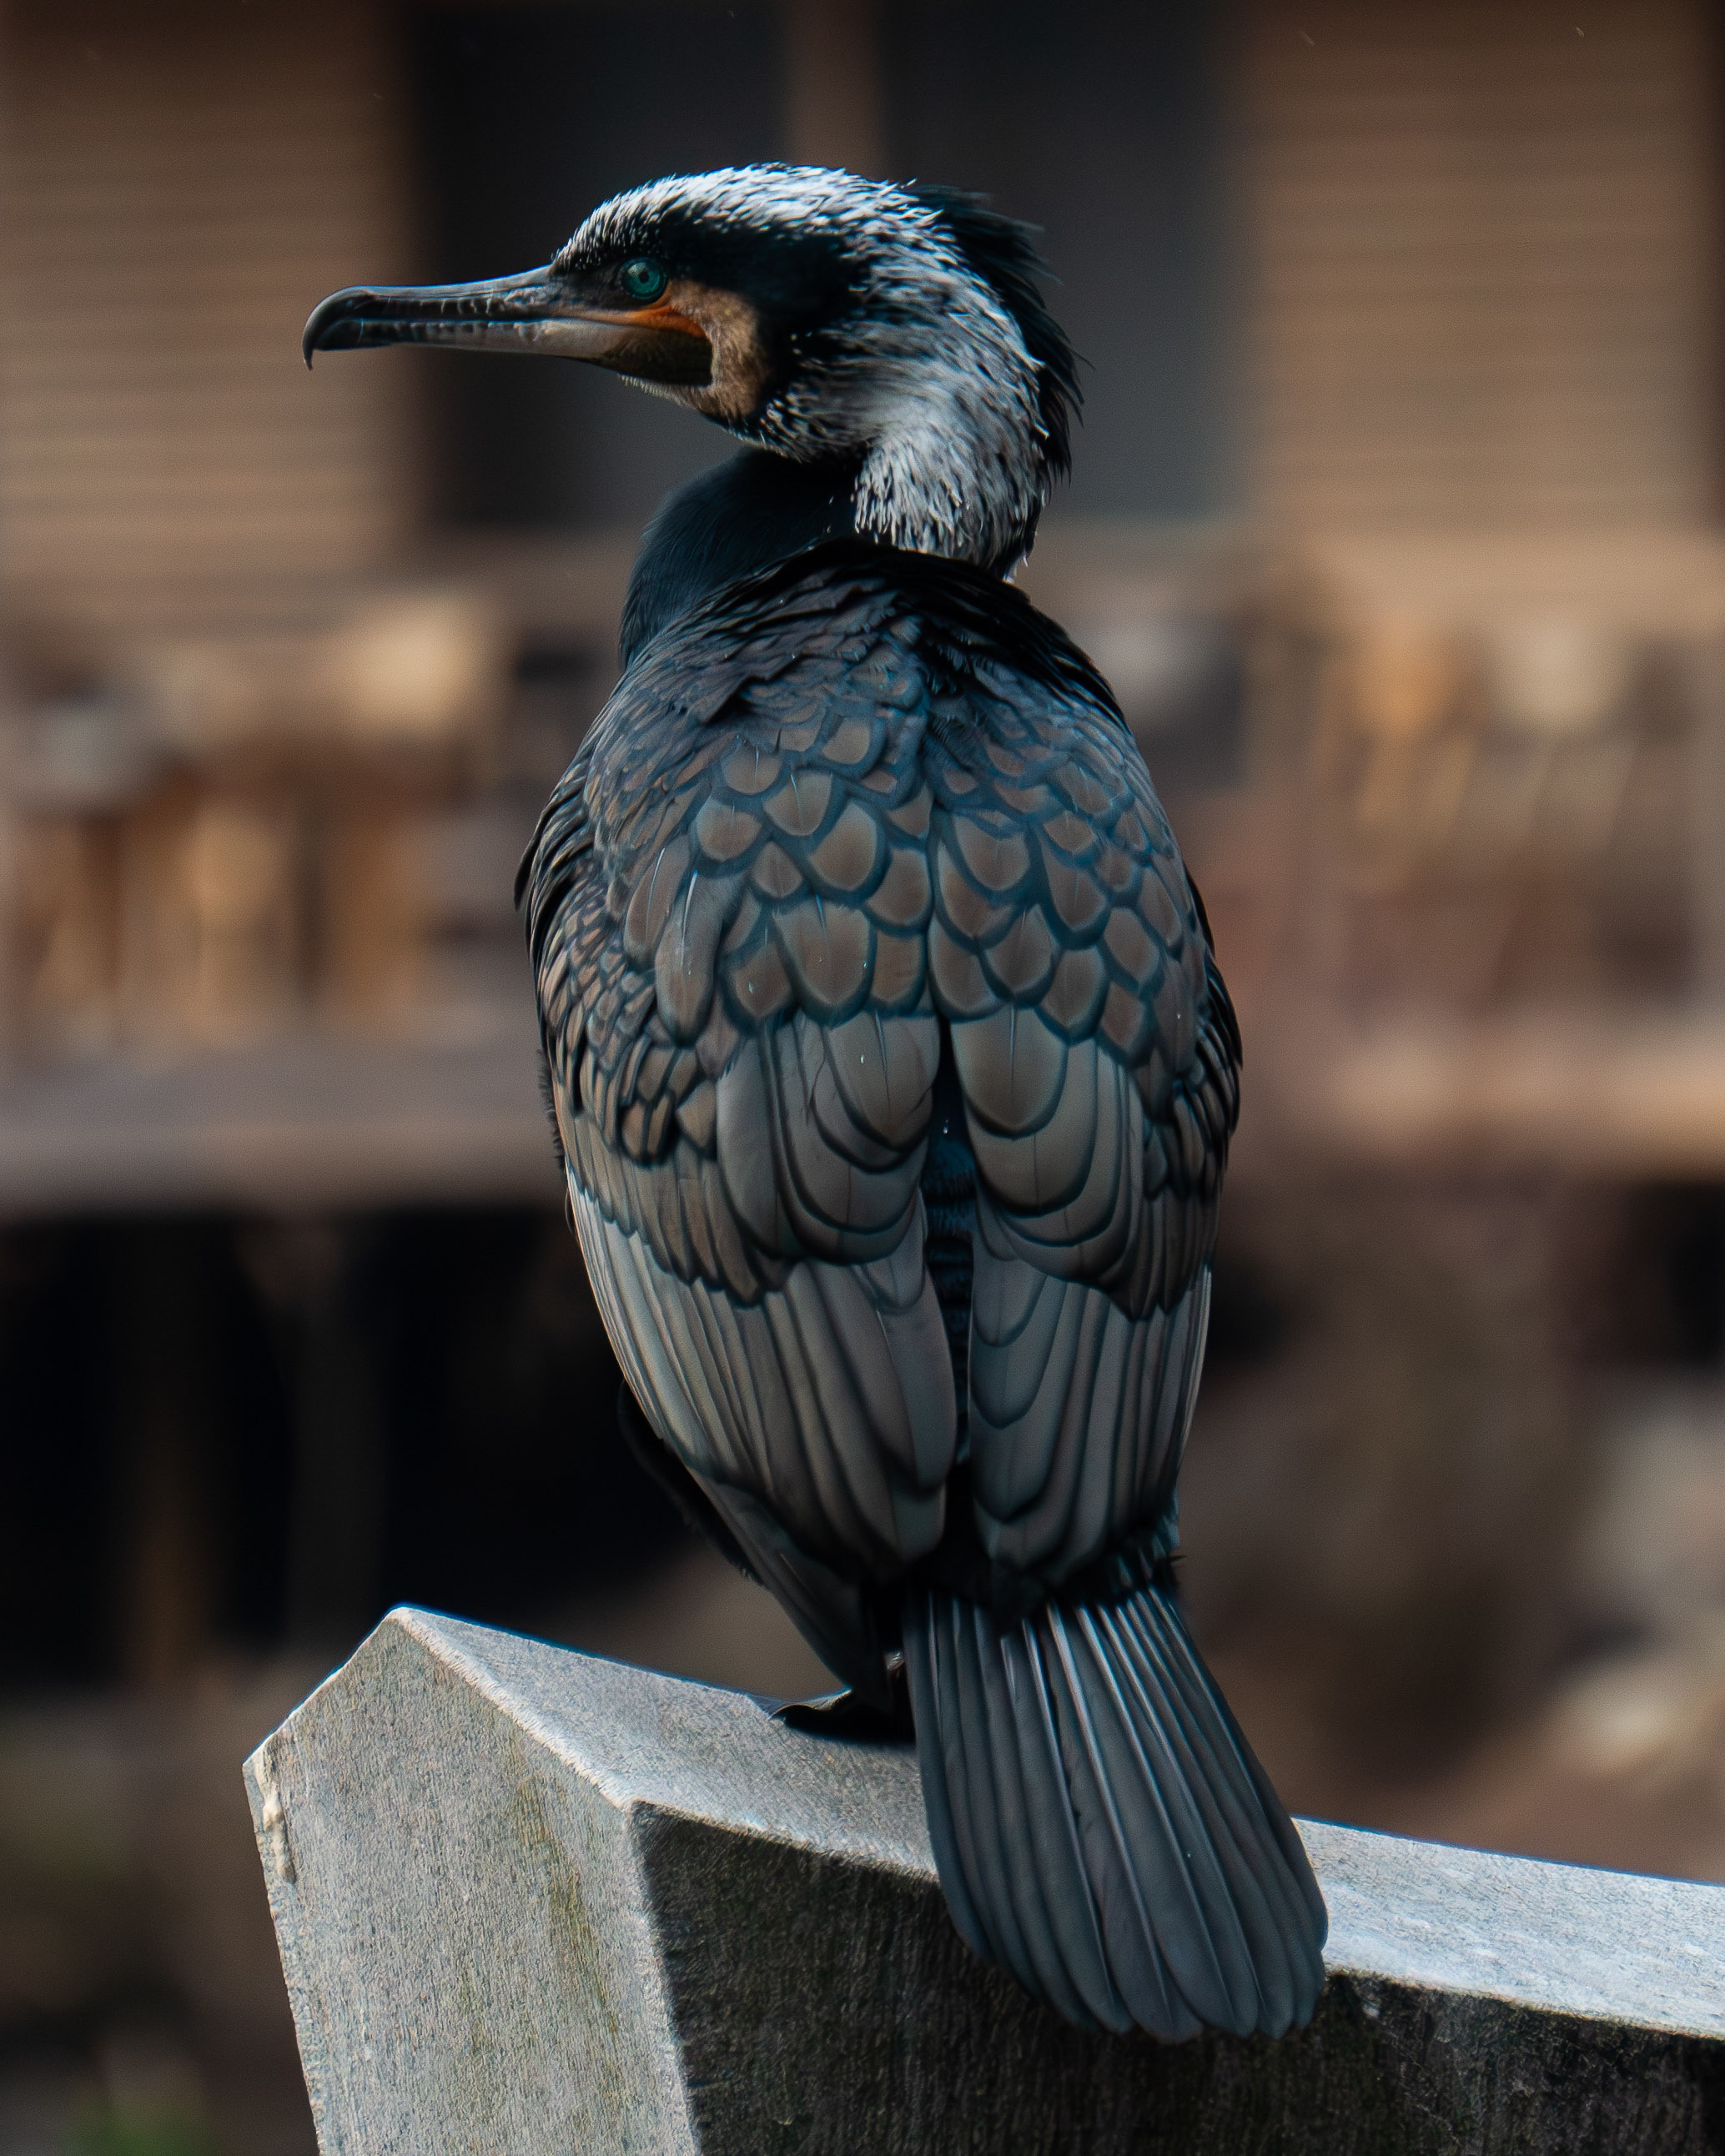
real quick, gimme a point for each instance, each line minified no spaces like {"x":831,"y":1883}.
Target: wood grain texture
{"x":181,"y":186}
{"x":531,"y":1901}
{"x":1485,"y":241}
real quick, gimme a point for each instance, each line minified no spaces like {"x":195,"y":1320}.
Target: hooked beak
{"x":538,"y":311}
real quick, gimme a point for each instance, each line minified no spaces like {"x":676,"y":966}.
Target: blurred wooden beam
{"x":165,"y":1352}
{"x":306,"y":1123}
{"x":1707,"y":833}
{"x":834,"y":107}
{"x":1636,"y":1096}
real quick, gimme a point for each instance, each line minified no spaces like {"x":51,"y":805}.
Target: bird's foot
{"x":848,"y":1715}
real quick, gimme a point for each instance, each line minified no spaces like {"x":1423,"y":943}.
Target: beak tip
{"x":324,"y":324}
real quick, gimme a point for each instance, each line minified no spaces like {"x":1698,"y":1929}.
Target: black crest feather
{"x":1005,"y":250}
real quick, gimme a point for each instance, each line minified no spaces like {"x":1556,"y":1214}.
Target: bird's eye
{"x":642,"y":278}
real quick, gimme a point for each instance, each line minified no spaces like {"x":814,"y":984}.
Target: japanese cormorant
{"x":891,"y":1064}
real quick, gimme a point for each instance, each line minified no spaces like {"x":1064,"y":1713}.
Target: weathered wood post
{"x":531,"y":1903}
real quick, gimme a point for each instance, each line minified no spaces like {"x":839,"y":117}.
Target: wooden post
{"x":1707,"y":824}
{"x":835,"y":113}
{"x":534,"y":1902}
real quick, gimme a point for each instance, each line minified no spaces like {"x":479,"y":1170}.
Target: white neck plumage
{"x":938,"y":393}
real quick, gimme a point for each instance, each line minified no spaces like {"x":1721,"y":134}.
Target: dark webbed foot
{"x":846,"y":1714}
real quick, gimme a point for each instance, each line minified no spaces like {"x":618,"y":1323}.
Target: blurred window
{"x":1104,"y":124}
{"x":1101,"y":123}
{"x":529,"y":117}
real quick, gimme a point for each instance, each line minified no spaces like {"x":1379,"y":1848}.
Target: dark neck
{"x":741,"y":517}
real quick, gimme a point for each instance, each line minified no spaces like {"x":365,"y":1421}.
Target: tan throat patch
{"x":733,"y":329}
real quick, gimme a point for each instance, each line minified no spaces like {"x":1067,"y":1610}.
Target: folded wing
{"x":1098,"y":1057}
{"x":732,"y":982}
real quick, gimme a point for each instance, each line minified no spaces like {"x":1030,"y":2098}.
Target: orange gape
{"x":664,"y":317}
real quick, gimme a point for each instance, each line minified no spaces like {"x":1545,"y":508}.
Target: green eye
{"x":642,"y":278}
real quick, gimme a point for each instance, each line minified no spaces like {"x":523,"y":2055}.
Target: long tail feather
{"x":1101,"y":1828}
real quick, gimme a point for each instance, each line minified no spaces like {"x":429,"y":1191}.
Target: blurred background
{"x":1397,"y":523}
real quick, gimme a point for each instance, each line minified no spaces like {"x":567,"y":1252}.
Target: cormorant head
{"x":894,"y":333}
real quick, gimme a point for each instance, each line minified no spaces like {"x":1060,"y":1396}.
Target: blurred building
{"x":1407,"y":319}
{"x":1396,"y":524}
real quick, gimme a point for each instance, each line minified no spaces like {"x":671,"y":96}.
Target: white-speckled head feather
{"x":913,"y":365}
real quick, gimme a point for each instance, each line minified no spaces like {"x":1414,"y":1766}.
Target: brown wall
{"x":182,"y":184}
{"x":1486,"y":261}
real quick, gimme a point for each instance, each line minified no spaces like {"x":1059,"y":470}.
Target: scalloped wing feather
{"x":852,"y":806}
